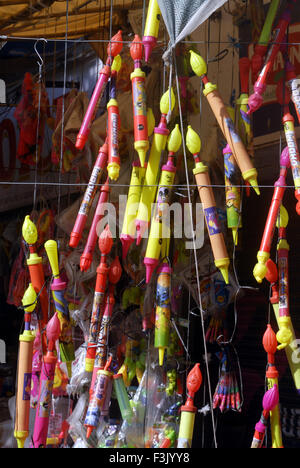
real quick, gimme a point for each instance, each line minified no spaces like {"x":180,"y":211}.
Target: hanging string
{"x":195,"y":253}
{"x":37,"y":148}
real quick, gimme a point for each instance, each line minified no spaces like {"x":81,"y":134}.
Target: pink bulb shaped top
{"x":271,"y":398}
{"x":115,"y":271}
{"x":285,"y":158}
{"x":105,"y":241}
{"x":53,"y":328}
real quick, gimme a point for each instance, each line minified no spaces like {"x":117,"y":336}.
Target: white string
{"x":63,"y":110}
{"x":195,"y":255}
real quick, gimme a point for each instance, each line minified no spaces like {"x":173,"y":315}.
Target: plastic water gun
{"x":261,"y":47}
{"x":158,"y":145}
{"x":37,"y":277}
{"x":283,"y":96}
{"x":256,"y":99}
{"x":270,"y":401}
{"x":188,"y":411}
{"x":140,"y":121}
{"x":278,"y":278}
{"x":86,"y":257}
{"x":207,"y":198}
{"x":160,"y":221}
{"x":43,"y":409}
{"x":134,"y":193}
{"x":58,"y":288}
{"x":270,"y":346}
{"x":89,"y":196}
{"x":97,"y":401}
{"x":151,"y":28}
{"x":113,"y":49}
{"x":114,"y":275}
{"x":263,"y":254}
{"x":113,"y":124}
{"x":232,"y":194}
{"x":105,"y":245}
{"x":26,"y":340}
{"x":225,"y":122}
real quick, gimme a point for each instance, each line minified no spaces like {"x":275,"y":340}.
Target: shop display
{"x":134,"y":276}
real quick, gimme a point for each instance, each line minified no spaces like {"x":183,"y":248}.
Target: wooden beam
{"x":26,"y":12}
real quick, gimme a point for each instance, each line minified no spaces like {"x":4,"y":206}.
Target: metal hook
{"x":40,"y":61}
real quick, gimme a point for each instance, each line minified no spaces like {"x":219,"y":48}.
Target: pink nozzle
{"x":285,"y":158}
{"x":271,"y":398}
{"x":151,"y":264}
{"x":126,"y":242}
{"x":254,"y":102}
{"x":53,"y":328}
{"x":260,"y":427}
{"x":149,"y":44}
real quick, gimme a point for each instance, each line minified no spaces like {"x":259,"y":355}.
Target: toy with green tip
{"x":207,"y":198}
{"x":225,"y":122}
{"x":113,"y":123}
{"x":163,"y":311}
{"x":159,"y":141}
{"x":160,"y":229}
{"x":58,"y":288}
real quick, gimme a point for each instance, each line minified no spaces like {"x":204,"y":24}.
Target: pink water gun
{"x":113,"y":49}
{"x":46,"y":384}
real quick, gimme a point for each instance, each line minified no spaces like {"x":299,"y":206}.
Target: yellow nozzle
{"x":260,"y":269}
{"x":175,"y":139}
{"x":29,"y":231}
{"x":165,"y":101}
{"x":117,"y":63}
{"x":51,"y":249}
{"x":223,"y":264}
{"x":284,"y":334}
{"x":283,"y":218}
{"x":235,"y":235}
{"x":193,"y":141}
{"x":113,"y":170}
{"x":198,"y":64}
{"x":20,"y":437}
{"x":251,"y":177}
{"x":29,"y":298}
